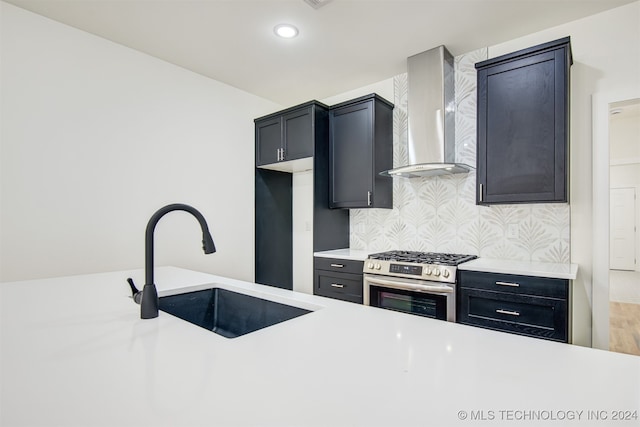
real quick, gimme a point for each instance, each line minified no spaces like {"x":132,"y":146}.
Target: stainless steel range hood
{"x":431,"y":110}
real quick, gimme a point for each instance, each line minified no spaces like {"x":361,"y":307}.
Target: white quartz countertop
{"x":525,"y":268}
{"x":76,"y":353}
{"x":346,"y":253}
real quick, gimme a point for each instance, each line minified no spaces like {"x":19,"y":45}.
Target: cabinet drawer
{"x":343,"y":286}
{"x":519,"y":314}
{"x":338,"y":265}
{"x":516,"y":284}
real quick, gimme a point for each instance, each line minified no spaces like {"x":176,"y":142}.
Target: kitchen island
{"x":76,"y":353}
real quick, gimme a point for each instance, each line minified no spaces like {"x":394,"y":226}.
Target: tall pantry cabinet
{"x":292,"y":174}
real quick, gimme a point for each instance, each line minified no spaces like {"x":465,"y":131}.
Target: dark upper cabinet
{"x":297,"y":131}
{"x":286,"y":135}
{"x":523,"y":126}
{"x":268,"y":140}
{"x":360,"y":147}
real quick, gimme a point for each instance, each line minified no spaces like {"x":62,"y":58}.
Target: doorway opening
{"x":624,"y":217}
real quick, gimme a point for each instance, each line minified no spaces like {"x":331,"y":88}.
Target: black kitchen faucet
{"x":148,"y":297}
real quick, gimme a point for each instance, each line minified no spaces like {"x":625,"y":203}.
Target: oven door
{"x":418,"y":297}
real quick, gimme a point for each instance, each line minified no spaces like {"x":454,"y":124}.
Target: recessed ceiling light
{"x":286,"y":31}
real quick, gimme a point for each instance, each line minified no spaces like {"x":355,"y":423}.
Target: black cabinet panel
{"x":268,"y":133}
{"x":352,"y":154}
{"x":523,"y":115}
{"x":524,"y":305}
{"x":360,"y":147}
{"x":330,"y":226}
{"x":524,"y":97}
{"x":273,"y":247}
{"x":297,"y":134}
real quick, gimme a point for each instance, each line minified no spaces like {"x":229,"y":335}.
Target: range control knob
{"x":378,"y":266}
{"x":445,"y":273}
{"x":428,"y":271}
{"x":436,"y":272}
{"x":370,"y":266}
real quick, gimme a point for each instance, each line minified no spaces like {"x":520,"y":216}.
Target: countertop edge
{"x":487,"y":265}
{"x":522,"y":268}
{"x":346,"y":253}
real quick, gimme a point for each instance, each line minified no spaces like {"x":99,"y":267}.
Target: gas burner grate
{"x":423,"y":257}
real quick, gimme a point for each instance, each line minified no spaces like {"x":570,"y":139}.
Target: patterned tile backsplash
{"x":439,"y":214}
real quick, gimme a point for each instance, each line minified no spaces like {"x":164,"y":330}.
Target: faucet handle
{"x":135,"y":293}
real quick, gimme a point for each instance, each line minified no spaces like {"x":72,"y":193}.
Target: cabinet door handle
{"x":337,"y":285}
{"x":337,"y":265}
{"x":481,"y":188}
{"x":368,"y":198}
{"x":282,"y":154}
{"x":514,"y":285}
{"x":277,"y":155}
{"x":509,"y":312}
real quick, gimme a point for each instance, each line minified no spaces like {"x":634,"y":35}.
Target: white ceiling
{"x":343,"y":45}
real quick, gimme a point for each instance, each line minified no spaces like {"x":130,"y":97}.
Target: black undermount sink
{"x":227,"y":313}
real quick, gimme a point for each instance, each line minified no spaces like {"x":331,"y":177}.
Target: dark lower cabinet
{"x":524,"y":305}
{"x":523,"y":126}
{"x":338,"y":278}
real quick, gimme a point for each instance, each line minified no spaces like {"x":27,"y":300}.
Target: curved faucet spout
{"x":149,"y":300}
{"x":207,"y":241}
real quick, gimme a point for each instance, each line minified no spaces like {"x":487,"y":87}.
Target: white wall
{"x":302,"y":230}
{"x":95,"y":137}
{"x":624,"y":133}
{"x":383,"y":88}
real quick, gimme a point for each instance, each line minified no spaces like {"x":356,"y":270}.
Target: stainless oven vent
{"x":431,"y":109}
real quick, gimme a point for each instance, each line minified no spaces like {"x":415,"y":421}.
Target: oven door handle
{"x":409,"y":286}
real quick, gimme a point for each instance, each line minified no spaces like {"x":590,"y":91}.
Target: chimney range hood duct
{"x":431,"y":110}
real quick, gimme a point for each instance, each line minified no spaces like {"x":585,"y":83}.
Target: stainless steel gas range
{"x":420,"y":283}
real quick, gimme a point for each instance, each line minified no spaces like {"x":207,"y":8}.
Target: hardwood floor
{"x":624,"y":327}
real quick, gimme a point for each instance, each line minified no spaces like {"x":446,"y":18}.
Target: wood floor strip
{"x":624,"y":328}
